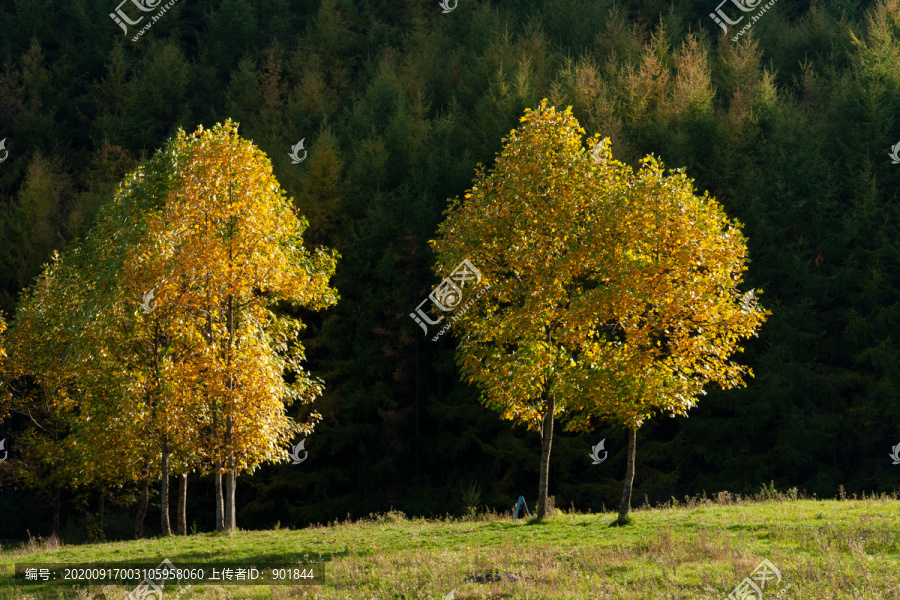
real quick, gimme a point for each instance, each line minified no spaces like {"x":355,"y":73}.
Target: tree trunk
{"x":230,"y":518}
{"x":141,"y":510}
{"x":182,"y":504}
{"x":164,"y":492}
{"x":220,"y":504}
{"x":546,"y":441}
{"x":625,"y":506}
{"x":102,"y":509}
{"x":57,"y":507}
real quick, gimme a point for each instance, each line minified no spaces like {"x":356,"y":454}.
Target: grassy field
{"x":699,"y":549}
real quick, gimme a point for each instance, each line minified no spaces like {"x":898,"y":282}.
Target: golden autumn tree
{"x":673,"y":312}
{"x":588,"y":266}
{"x":161,"y":330}
{"x":79,"y":346}
{"x":131,"y":421}
{"x":144,"y":329}
{"x":230,"y":247}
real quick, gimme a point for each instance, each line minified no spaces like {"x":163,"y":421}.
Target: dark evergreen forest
{"x":790,"y":128}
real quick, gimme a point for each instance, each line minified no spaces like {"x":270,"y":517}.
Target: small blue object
{"x":520,"y":504}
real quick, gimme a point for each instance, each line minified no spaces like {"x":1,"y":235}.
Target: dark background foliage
{"x":789,"y":128}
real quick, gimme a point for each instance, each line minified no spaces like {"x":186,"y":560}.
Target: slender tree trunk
{"x":625,"y":506}
{"x":57,"y":507}
{"x":214,"y":409}
{"x":231,"y":520}
{"x":57,"y":491}
{"x":230,"y":517}
{"x":220,"y":505}
{"x":141,"y":510}
{"x":546,"y":442}
{"x":164,"y":492}
{"x":182,"y":504}
{"x":102,"y":509}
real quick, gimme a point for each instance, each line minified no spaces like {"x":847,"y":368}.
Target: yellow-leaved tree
{"x":613,"y":294}
{"x":164,"y":340}
{"x":228,"y":247}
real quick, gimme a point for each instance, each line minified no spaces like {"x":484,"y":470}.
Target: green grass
{"x":825,"y":549}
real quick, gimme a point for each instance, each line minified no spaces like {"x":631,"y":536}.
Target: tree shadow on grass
{"x":622,"y":522}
